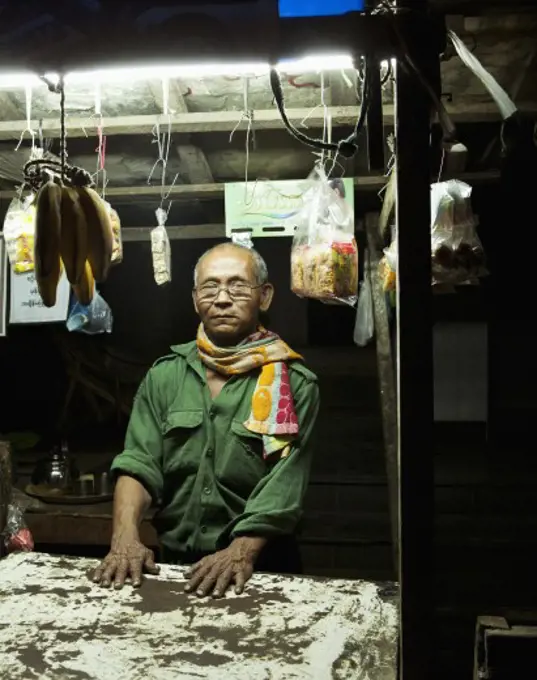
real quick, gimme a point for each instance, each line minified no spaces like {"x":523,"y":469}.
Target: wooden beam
{"x":386,"y":372}
{"x":194,"y":164}
{"x":467,"y":111}
{"x":188,"y":231}
{"x":211,"y":192}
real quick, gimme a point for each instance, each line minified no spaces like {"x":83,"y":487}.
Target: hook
{"x":28,"y":130}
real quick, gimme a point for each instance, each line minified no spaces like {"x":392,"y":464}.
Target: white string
{"x":163,"y":142}
{"x":248,"y":115}
{"x":165,"y":96}
{"x":28,"y":130}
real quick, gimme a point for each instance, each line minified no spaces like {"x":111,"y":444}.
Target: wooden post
{"x":414,"y":362}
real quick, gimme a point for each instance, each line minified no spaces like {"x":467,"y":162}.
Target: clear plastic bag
{"x":17,"y":536}
{"x":19,"y":232}
{"x":117,"y":250}
{"x":92,"y":319}
{"x":458,"y":257}
{"x":364,"y":328}
{"x":324,"y":254}
{"x":161,"y":250}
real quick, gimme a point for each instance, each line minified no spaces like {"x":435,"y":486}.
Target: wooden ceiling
{"x":207,"y":110}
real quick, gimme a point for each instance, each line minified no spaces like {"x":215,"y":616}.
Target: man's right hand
{"x":127,"y":559}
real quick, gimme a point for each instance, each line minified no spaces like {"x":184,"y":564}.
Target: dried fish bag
{"x":324,"y":254}
{"x":161,"y":250}
{"x":458,"y":257}
{"x":19,"y":233}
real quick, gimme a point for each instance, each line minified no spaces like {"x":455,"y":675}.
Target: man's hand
{"x":127,"y":558}
{"x":214,"y":574}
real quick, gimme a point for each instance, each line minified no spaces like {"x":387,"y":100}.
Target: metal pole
{"x":414,"y":362}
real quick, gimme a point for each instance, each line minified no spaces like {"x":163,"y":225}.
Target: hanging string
{"x":100,"y":173}
{"x":39,"y":170}
{"x":28,"y":130}
{"x":247,"y":115}
{"x":163,"y":142}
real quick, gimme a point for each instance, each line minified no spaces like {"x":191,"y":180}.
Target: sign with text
{"x":266,"y":208}
{"x":26,"y":305}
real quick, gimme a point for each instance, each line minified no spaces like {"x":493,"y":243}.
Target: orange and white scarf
{"x":273,"y":412}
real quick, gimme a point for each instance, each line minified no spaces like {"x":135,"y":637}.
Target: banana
{"x":47,"y":241}
{"x":85,"y":289}
{"x":74,"y":237}
{"x":99,"y":232}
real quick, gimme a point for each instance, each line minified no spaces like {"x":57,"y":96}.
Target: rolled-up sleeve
{"x":142,"y":456}
{"x":275,"y":506}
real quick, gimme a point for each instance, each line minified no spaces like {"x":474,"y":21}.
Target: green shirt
{"x":204,"y":470}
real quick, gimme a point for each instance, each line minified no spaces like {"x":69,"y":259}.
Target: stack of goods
{"x":63,"y":227}
{"x":457,"y":254}
{"x":324,"y":256}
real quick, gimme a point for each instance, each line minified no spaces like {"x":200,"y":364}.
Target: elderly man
{"x":219,"y":441}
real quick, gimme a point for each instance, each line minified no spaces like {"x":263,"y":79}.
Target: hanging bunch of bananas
{"x":73,"y":231}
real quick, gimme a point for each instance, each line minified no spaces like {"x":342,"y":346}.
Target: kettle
{"x":57,"y":470}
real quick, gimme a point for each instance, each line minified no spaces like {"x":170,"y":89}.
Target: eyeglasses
{"x":237,"y":290}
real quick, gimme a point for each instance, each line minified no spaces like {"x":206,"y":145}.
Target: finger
{"x":98,"y":573}
{"x":197,"y":576}
{"x":241,"y":578}
{"x":108,"y":573}
{"x":190,"y":571}
{"x":149,"y":564}
{"x":222,"y":583}
{"x":207,"y":585}
{"x":122,"y":569}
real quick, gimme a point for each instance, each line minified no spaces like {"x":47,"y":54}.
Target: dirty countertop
{"x":56,"y":625}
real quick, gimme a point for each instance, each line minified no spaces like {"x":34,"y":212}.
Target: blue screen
{"x":318,"y":8}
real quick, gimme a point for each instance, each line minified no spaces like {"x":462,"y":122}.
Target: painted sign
{"x":267,"y":208}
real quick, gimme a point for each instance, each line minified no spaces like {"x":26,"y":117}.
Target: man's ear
{"x":267,"y":293}
{"x":195,"y":302}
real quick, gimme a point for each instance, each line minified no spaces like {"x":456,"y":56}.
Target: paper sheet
{"x":26,"y":305}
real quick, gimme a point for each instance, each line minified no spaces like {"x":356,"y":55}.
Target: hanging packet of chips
{"x":161,"y":250}
{"x":324,"y":254}
{"x":19,"y":232}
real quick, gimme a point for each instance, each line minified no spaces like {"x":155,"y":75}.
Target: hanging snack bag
{"x":117,"y":250}
{"x":19,"y":231}
{"x":458,"y":257}
{"x":324,"y":254}
{"x":161,"y":250}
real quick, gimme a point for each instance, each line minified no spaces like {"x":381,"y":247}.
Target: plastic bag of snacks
{"x":117,"y":250}
{"x":161,"y":250}
{"x":19,"y":231}
{"x":324,"y":255}
{"x":458,"y":257}
{"x":17,"y":536}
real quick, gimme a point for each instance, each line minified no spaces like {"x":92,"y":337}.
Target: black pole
{"x":414,"y":360}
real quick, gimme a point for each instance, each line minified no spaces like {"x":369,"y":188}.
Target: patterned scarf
{"x":273,"y":410}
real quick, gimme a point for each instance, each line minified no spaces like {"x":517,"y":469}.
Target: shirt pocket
{"x":243,"y":466}
{"x":182,"y":435}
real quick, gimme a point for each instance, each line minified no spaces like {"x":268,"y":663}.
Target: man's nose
{"x":223,"y":299}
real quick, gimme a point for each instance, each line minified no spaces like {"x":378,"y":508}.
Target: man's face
{"x":227,"y":297}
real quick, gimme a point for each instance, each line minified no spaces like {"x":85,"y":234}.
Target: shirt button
{"x":207,"y":490}
{"x":203,"y":530}
{"x":210,"y":453}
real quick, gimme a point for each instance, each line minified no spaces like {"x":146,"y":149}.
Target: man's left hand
{"x":214,"y":574}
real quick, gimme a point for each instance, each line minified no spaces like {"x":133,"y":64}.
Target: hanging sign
{"x":3,"y":286}
{"x":266,"y":208}
{"x":26,"y":305}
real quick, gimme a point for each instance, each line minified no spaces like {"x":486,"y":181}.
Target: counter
{"x":281,"y":628}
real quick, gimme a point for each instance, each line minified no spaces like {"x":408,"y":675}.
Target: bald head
{"x":259,"y":266}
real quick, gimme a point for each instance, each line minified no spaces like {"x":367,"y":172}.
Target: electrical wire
{"x":346,"y":147}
